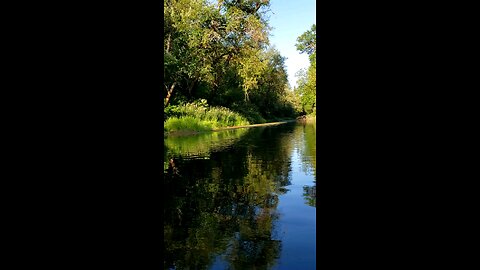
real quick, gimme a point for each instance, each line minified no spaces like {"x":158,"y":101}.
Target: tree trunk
{"x":215,"y":86}
{"x":168,"y":43}
{"x":169,"y":93}
{"x":190,"y":87}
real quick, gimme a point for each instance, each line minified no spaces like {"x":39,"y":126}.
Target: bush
{"x":186,"y":123}
{"x":250,"y":112}
{"x":199,"y":116}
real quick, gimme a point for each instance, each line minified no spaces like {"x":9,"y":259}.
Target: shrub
{"x":199,"y":116}
{"x":186,"y":123}
{"x":250,"y":112}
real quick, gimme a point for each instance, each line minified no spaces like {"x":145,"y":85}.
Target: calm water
{"x":241,"y":199}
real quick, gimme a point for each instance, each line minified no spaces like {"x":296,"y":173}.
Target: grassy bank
{"x":191,"y":132}
{"x":200,"y":117}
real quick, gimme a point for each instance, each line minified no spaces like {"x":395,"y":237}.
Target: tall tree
{"x":307,"y":89}
{"x":307,"y":42}
{"x":201,"y":39}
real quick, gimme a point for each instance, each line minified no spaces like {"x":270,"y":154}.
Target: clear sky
{"x":290,"y":19}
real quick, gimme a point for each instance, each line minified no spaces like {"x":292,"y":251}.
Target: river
{"x":241,"y":199}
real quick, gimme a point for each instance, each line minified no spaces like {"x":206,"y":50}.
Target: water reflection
{"x":222,"y":195}
{"x":308,"y":154}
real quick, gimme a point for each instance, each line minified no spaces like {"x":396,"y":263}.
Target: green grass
{"x":194,"y":117}
{"x":186,"y":123}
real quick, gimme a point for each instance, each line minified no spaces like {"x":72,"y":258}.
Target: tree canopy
{"x":220,"y":52}
{"x":307,"y":79}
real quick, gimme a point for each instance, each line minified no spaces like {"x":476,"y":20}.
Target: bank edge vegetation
{"x":220,"y":70}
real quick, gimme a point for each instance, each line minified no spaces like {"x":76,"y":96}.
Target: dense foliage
{"x":220,"y":52}
{"x":307,"y":90}
{"x":198,"y":116}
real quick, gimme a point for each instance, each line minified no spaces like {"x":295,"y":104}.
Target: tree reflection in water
{"x":310,"y":195}
{"x":309,"y":164}
{"x":224,"y":201}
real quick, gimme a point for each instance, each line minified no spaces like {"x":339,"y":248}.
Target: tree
{"x":219,"y":52}
{"x":187,"y":44}
{"x":202,"y":40}
{"x":307,"y":42}
{"x":307,"y":90}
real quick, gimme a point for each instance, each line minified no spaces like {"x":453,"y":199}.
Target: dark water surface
{"x":241,"y":199}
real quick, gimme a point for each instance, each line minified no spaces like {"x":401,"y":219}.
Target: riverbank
{"x":307,"y":119}
{"x":193,"y":132}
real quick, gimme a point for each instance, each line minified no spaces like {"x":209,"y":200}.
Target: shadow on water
{"x":222,"y":190}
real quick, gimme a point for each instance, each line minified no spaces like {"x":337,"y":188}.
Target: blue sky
{"x":289,"y":20}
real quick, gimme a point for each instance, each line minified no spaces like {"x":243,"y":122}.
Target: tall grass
{"x":201,"y":117}
{"x":186,"y":123}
